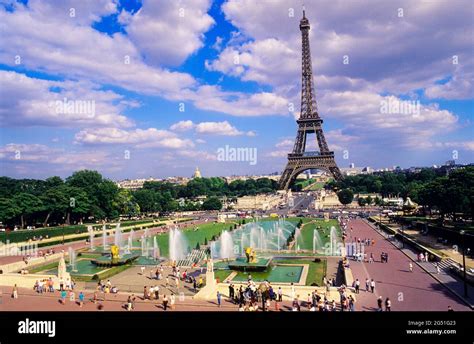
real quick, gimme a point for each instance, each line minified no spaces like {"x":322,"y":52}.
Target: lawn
{"x":306,"y":242}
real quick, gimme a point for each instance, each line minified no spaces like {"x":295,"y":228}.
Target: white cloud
{"x":29,"y":101}
{"x":239,"y":104}
{"x":223,"y":128}
{"x":77,"y":50}
{"x":285,"y":143}
{"x":167,"y":32}
{"x":140,"y":138}
{"x":183,"y":126}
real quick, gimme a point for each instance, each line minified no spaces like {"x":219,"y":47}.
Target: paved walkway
{"x":408,"y":291}
{"x":29,"y":300}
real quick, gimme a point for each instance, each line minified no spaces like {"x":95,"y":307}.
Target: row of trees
{"x":450,"y":195}
{"x":84,"y":194}
{"x":88,"y":195}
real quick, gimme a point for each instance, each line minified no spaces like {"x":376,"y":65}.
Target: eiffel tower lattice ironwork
{"x":309,"y":122}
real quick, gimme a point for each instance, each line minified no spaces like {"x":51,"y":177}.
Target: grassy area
{"x":306,"y":242}
{"x":316,"y":272}
{"x":317,"y":186}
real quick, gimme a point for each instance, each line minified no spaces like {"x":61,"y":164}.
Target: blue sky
{"x":172,"y":82}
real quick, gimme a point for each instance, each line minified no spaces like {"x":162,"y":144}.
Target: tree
{"x":361,"y":201}
{"x":147,"y":200}
{"x":212,"y":203}
{"x":55,"y":200}
{"x":8,"y":210}
{"x":345,"y":196}
{"x":369,"y":200}
{"x":27,"y":204}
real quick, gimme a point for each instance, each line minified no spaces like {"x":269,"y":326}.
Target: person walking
{"x":372,"y":285}
{"x":357,"y":286}
{"x":367,"y":284}
{"x":438,"y":271}
{"x":81,"y":299}
{"x":379,"y":304}
{"x":280,"y":294}
{"x":410,"y":266}
{"x":218,"y":299}
{"x":165,"y":302}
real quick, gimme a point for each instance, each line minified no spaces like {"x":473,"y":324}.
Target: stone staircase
{"x":194,"y":257}
{"x":445,"y":264}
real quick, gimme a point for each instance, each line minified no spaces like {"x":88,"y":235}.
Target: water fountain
{"x":177,"y":245}
{"x":297,"y":237}
{"x":143,"y":246}
{"x":104,"y":237}
{"x":156,"y":249}
{"x":118,"y":236}
{"x":317,"y":242}
{"x":91,"y":237}
{"x":212,"y":248}
{"x":227,"y":246}
{"x":333,"y":241}
{"x":130,"y":243}
{"x":72,"y":259}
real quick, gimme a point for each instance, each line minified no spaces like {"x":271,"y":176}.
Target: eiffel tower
{"x":309,"y":122}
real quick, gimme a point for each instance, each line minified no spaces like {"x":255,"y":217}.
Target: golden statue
{"x":114,"y":250}
{"x":251,"y":255}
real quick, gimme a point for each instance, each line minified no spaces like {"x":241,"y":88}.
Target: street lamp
{"x":463,"y":243}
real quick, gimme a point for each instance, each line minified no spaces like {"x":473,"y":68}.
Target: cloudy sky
{"x":146,"y":88}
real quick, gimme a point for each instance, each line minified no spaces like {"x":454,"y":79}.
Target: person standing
{"x":172,"y":301}
{"x":357,"y":286}
{"x":438,"y":269}
{"x":367,"y":284}
{"x":388,"y":305}
{"x":280,"y":294}
{"x":15,"y":292}
{"x":372,"y":285}
{"x":165,"y":302}
{"x":218,"y":299}
{"x":351,"y":304}
{"x":410,"y":266}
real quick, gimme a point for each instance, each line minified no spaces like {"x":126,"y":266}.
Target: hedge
{"x":26,"y":235}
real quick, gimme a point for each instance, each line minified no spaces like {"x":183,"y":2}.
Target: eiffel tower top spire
{"x":309,"y":108}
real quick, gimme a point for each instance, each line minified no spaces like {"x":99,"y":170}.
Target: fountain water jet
{"x":177,"y":245}
{"x":317,"y":242}
{"x":227,"y":246}
{"x":91,"y":237}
